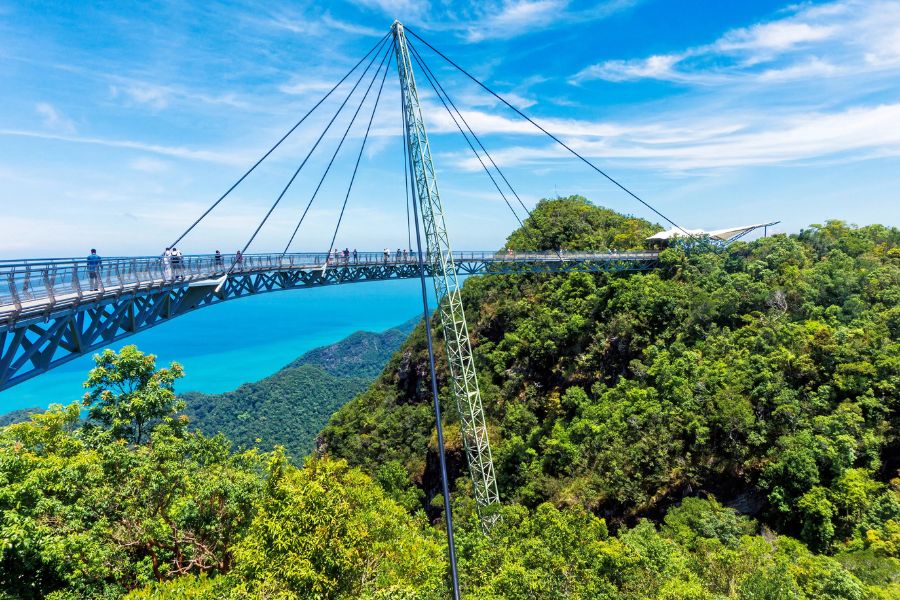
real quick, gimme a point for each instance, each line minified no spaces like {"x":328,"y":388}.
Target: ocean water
{"x":243,"y":340}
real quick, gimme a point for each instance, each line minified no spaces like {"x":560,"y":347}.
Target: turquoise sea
{"x":243,"y":340}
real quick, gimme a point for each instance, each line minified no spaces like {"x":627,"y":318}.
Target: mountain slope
{"x":767,"y":374}
{"x":291,"y":406}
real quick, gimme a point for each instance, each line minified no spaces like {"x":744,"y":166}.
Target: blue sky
{"x":121,"y":122}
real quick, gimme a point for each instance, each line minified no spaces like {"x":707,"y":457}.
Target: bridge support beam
{"x":447,"y":289}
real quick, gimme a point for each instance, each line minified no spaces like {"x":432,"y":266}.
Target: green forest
{"x":725,"y":426}
{"x":290,"y":407}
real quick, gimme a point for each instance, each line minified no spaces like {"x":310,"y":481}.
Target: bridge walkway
{"x":53,"y":310}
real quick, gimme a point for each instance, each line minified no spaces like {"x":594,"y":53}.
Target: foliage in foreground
{"x":131,"y":497}
{"x":87,"y":515}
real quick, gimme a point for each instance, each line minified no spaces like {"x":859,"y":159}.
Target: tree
{"x":128,"y":395}
{"x":88,"y":515}
{"x":327,"y":531}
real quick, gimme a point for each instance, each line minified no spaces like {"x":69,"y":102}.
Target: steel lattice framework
{"x":49,"y":314}
{"x":446,"y":286}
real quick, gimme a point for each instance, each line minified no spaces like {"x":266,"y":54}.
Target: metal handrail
{"x":32,"y":280}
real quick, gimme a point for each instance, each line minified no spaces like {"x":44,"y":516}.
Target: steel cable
{"x":359,"y":158}
{"x":428,"y":71}
{"x":466,"y":137}
{"x":550,"y":135}
{"x":316,"y":145}
{"x":279,"y":142}
{"x":334,"y":155}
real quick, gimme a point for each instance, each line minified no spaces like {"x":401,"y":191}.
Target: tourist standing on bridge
{"x":219,"y":263}
{"x":167,"y":264}
{"x":93,"y":268}
{"x":239,"y":260}
{"x":346,"y":255}
{"x":387,"y":254}
{"x":178,"y":263}
{"x":355,"y":256}
{"x":398,"y":255}
{"x":405,"y":255}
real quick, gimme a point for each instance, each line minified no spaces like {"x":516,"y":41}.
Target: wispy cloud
{"x":853,"y":134}
{"x":173,"y":151}
{"x":147,"y":164}
{"x":497,"y":20}
{"x":159,"y":96}
{"x":513,"y":18}
{"x":320,"y":26}
{"x":54,"y":119}
{"x":848,"y":36}
{"x":304,"y":86}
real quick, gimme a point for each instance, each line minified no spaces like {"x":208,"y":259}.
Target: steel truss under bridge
{"x":50,"y":312}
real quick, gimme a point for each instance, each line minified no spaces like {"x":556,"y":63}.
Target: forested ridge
{"x":723,"y":427}
{"x":766,"y":375}
{"x":290,"y":407}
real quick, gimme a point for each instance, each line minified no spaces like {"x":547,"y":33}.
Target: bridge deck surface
{"x":53,"y":310}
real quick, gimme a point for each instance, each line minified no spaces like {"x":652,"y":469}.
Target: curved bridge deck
{"x":53,"y":310}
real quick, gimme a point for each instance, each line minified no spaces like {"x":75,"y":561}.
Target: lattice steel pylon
{"x":446,"y":286}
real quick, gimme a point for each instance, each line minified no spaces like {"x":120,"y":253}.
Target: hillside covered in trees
{"x":723,"y":427}
{"x":290,"y":407}
{"x":766,"y":375}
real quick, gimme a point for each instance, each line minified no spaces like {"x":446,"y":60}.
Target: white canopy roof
{"x":718,"y":234}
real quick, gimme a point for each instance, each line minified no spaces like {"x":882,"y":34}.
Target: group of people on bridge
{"x":345,"y":256}
{"x":172,"y":261}
{"x":173,"y":264}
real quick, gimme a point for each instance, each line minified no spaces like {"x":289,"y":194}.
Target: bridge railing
{"x":33,"y":282}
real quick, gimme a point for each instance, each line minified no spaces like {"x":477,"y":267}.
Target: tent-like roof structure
{"x":723,"y":235}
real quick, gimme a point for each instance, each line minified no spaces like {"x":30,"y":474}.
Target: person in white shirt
{"x":178,"y":263}
{"x":167,"y":264}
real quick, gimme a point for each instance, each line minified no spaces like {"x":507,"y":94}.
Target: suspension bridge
{"x":53,"y":310}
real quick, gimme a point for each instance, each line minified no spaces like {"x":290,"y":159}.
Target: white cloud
{"x":853,"y":134}
{"x":321,"y":26}
{"x":493,"y":19}
{"x":156,"y":97}
{"x":814,"y":67}
{"x":173,"y":151}
{"x":775,"y":36}
{"x":515,"y":18}
{"x":54,"y":119}
{"x":654,"y":67}
{"x":159,"y":97}
{"x":302,"y":87}
{"x":397,"y":7}
{"x":811,"y":41}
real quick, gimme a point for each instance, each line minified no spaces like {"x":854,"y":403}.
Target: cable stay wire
{"x":358,"y":159}
{"x":377,"y":46}
{"x":315,"y":145}
{"x":409,"y":175}
{"x":421,"y":60}
{"x":432,"y":79}
{"x":406,"y":175}
{"x":336,"y":151}
{"x":466,"y":137}
{"x":550,"y":135}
